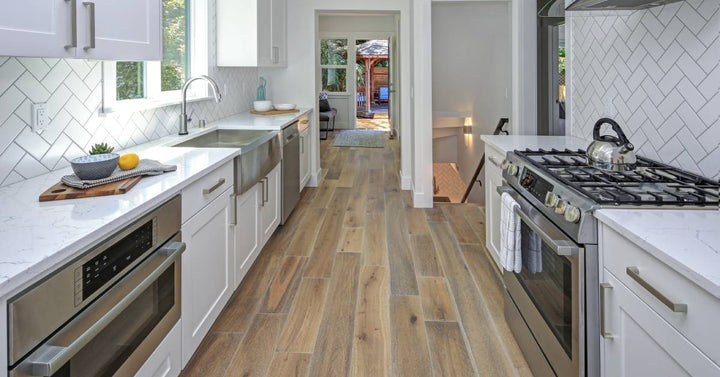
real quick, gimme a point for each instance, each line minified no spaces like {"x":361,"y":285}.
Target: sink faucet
{"x":183,"y":106}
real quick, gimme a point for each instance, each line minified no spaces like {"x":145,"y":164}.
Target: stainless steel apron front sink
{"x":260,"y":152}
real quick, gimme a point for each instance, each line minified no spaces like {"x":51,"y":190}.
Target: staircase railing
{"x":498,"y":130}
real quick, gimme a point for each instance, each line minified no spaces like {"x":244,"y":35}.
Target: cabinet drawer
{"x":165,"y":360}
{"x":201,"y":192}
{"x":698,"y":324}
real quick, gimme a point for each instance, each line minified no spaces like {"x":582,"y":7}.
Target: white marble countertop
{"x":686,"y":240}
{"x":507,"y":143}
{"x":39,"y":237}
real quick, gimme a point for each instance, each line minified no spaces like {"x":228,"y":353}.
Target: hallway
{"x":359,"y":283}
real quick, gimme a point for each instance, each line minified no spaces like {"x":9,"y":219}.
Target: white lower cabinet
{"x":641,"y":343}
{"x":247,"y":231}
{"x":271,"y":203}
{"x":304,"y":157}
{"x":207,"y":269}
{"x":493,"y":179}
{"x":166,"y":360}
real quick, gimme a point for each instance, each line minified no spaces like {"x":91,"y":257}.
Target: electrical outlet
{"x":39,"y":117}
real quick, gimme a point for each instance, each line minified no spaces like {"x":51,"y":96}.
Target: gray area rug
{"x":360,"y":138}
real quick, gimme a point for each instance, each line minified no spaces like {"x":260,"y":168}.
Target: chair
{"x":384,"y":95}
{"x":328,"y":117}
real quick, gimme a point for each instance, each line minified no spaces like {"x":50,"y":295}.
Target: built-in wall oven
{"x":106,"y":312}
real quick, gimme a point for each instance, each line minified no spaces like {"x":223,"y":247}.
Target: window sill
{"x":146,"y":104}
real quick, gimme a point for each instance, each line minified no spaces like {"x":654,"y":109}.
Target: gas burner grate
{"x":651,"y":183}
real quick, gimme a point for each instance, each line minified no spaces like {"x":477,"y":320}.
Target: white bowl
{"x":262,"y":105}
{"x":284,"y":106}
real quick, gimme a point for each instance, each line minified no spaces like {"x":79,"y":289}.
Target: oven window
{"x":113,"y":346}
{"x":547,"y":279}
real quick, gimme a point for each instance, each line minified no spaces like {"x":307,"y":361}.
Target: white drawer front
{"x":201,"y":192}
{"x":698,"y":324}
{"x":165,"y":360}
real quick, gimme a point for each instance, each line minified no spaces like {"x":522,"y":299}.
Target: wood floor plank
{"x":355,"y":214}
{"x":426,"y":260}
{"x":352,"y":240}
{"x":486,"y":276}
{"x":376,"y":194}
{"x":409,"y":350}
{"x":213,"y":356}
{"x":436,"y":300}
{"x":485,"y":345}
{"x":328,"y":240}
{"x":461,"y":228}
{"x":289,"y":365}
{"x":238,"y":313}
{"x":331,"y":357}
{"x":447,"y":348}
{"x":402,"y":269}
{"x":335,"y":168}
{"x":372,"y":334}
{"x":417,"y":222}
{"x":349,"y":170}
{"x":282,"y":288}
{"x":324,"y":194}
{"x":304,"y":238}
{"x":476,"y":218}
{"x":375,"y":240}
{"x":303,"y":322}
{"x":255,"y":352}
{"x":435,"y":214}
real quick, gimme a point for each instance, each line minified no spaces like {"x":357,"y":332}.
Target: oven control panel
{"x":93,"y":274}
{"x":535,"y":185}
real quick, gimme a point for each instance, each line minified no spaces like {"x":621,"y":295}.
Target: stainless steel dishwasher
{"x":290,"y":170}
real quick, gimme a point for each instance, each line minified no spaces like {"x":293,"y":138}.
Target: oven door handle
{"x":561,"y":247}
{"x":50,"y":362}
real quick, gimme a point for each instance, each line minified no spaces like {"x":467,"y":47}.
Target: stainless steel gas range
{"x":552,"y":305}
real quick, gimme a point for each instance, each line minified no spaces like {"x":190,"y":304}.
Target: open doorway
{"x":372,"y":89}
{"x":551,"y":68}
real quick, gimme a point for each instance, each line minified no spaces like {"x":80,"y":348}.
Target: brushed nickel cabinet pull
{"x":214,"y":187}
{"x":634,"y":273}
{"x":73,"y":24}
{"x":603,"y":332}
{"x":91,"y":8}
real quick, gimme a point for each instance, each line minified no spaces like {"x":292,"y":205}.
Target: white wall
{"x":347,"y":23}
{"x":523,"y":120}
{"x":472,"y":73}
{"x":297,"y":83}
{"x":655,"y":71}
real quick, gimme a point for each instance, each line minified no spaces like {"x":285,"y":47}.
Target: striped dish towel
{"x":145,"y":167}
{"x":510,"y":245}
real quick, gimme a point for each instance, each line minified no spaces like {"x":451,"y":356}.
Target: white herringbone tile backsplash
{"x":655,"y":71}
{"x":73,"y":91}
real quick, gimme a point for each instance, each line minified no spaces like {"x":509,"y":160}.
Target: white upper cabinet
{"x":90,"y":29}
{"x":37,"y":28}
{"x":251,"y":33}
{"x":120,"y":29}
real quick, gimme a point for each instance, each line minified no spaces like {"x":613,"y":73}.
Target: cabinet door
{"x":37,"y":28}
{"x":165,"y":360}
{"x":493,"y":179}
{"x":642,"y":343}
{"x":247,"y":231}
{"x":270,"y":209}
{"x":264,"y":34}
{"x":206,"y":270}
{"x":123,"y":29}
{"x":304,"y":157}
{"x":279,"y":33}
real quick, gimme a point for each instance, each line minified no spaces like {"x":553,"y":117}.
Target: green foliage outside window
{"x":333,"y":51}
{"x":174,"y":65}
{"x":130,"y":80}
{"x":561,"y":61}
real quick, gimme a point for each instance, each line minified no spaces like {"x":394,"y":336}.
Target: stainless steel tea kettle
{"x":609,"y":152}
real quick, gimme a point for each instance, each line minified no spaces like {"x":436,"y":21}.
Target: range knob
{"x":572,"y":214}
{"x":504,"y":164}
{"x":561,"y":206}
{"x":551,"y":199}
{"x":512,"y":169}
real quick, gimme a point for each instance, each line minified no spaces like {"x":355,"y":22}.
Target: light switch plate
{"x":39,"y":117}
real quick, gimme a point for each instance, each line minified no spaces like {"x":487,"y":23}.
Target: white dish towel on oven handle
{"x":510,"y":245}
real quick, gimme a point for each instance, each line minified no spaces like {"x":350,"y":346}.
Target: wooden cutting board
{"x":274,"y":112}
{"x":61,"y":191}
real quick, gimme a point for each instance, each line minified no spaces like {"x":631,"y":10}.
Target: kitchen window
{"x":334,"y":64}
{"x":142,"y":85}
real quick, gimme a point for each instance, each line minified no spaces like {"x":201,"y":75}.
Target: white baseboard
{"x":314,"y":180}
{"x":405,"y":182}
{"x":421,"y":200}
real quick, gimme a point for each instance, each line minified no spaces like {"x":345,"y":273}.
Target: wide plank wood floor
{"x":359,"y":283}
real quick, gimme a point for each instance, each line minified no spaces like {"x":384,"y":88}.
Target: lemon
{"x":128,"y":161}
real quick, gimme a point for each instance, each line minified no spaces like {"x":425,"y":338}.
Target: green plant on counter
{"x":101,"y":148}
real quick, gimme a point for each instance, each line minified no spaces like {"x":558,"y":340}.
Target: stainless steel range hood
{"x":616,"y":4}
